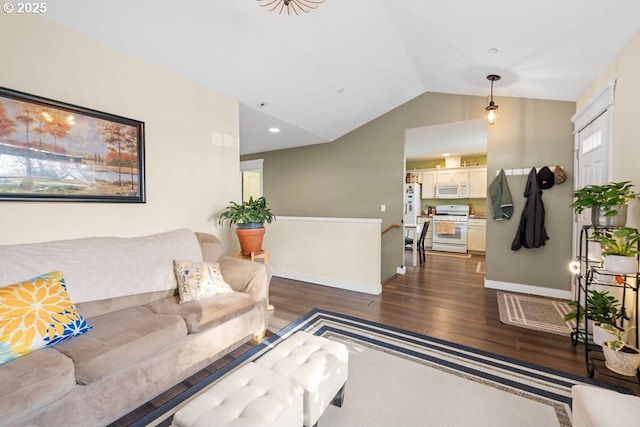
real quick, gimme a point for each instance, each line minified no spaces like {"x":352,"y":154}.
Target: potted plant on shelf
{"x":249,"y":218}
{"x":619,"y":356}
{"x":608,"y":202}
{"x":619,"y":249}
{"x":601,"y":308}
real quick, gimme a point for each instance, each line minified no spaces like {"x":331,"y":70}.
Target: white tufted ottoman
{"x":317,"y":364}
{"x":249,"y":396}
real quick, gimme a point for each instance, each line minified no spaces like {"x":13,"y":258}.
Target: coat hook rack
{"x":517,"y":171}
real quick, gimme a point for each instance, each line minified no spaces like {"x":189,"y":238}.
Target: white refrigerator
{"x":412,"y":203}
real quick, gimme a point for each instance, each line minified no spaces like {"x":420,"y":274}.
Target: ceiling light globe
{"x":492,"y":115}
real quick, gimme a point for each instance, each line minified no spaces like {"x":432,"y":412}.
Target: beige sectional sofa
{"x":142,"y":341}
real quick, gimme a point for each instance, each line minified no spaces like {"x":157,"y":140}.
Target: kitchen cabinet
{"x":477,"y":234}
{"x":478,"y":183}
{"x":452,"y":175}
{"x":428,"y":184}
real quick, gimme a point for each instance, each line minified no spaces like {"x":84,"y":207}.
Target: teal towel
{"x":501,"y":201}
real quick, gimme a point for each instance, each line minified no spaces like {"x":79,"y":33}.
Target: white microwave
{"x":452,"y":190}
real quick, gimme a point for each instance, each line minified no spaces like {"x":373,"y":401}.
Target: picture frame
{"x":54,"y":151}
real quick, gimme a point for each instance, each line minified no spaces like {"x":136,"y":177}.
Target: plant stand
{"x":263,"y":255}
{"x":592,"y":274}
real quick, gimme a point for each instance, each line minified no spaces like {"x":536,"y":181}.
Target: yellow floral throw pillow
{"x":36,"y":314}
{"x":198,"y":280}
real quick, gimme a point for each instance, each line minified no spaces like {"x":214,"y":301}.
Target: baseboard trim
{"x":341,"y":284}
{"x":528,"y":289}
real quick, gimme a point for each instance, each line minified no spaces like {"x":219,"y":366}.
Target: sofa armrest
{"x":210,"y":246}
{"x":246,"y":276}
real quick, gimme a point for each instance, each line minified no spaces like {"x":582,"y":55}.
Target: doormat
{"x":537,"y":313}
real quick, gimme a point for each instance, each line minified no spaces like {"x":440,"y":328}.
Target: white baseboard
{"x":350,"y":286}
{"x":528,"y":289}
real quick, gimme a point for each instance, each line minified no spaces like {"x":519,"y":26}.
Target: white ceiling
{"x":325,"y":73}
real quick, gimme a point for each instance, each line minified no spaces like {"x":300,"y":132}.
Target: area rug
{"x":403,"y":378}
{"x":537,"y":313}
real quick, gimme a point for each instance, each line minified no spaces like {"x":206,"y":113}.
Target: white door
{"x":592,"y":166}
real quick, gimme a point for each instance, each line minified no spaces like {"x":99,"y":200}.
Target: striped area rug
{"x":397,"y":377}
{"x":537,"y":313}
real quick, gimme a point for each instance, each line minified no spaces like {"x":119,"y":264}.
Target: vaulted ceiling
{"x":318,"y":76}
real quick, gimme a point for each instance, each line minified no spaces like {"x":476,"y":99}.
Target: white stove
{"x":450,"y":228}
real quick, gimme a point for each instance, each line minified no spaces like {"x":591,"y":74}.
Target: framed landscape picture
{"x":50,"y":150}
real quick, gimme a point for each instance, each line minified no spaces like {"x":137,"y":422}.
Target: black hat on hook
{"x":545,"y":178}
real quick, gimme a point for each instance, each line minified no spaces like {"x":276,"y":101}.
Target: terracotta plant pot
{"x":250,"y":239}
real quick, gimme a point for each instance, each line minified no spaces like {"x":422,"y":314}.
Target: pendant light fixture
{"x":492,"y":109}
{"x":297,"y":6}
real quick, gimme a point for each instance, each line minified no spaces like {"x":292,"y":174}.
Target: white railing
{"x":339,"y":252}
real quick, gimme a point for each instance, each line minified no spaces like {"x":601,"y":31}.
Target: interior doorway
{"x":441,"y":153}
{"x":251,"y":172}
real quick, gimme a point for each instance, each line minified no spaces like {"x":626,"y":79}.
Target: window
{"x":251,"y":171}
{"x":592,"y":142}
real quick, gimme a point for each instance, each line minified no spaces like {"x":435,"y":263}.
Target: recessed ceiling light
{"x":493,"y":50}
{"x":340,"y":91}
{"x":274,"y":130}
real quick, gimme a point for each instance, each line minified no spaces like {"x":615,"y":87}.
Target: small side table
{"x":264,"y":255}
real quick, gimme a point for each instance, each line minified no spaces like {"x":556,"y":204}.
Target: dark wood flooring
{"x":444,"y":298}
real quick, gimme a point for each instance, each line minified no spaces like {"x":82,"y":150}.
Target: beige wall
{"x":625,"y":70}
{"x":353,"y":175}
{"x":192,"y":155}
{"x":532,"y":133}
{"x":304,"y":248}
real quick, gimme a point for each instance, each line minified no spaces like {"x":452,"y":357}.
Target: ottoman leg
{"x":339,"y":397}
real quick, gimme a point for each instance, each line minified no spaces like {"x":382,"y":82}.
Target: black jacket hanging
{"x":531,"y":232}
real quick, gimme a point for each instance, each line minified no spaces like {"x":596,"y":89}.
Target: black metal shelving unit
{"x":592,"y":274}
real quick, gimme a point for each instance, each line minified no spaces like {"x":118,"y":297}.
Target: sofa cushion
{"x":98,"y":268}
{"x":198,"y":280}
{"x":34,"y":380}
{"x":36,"y":313}
{"x":206,"y":313}
{"x":120,"y":339}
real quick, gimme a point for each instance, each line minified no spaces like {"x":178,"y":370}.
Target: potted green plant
{"x":608,"y":202}
{"x":249,"y":218}
{"x":601,"y":308}
{"x":619,"y":249}
{"x":619,"y":356}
